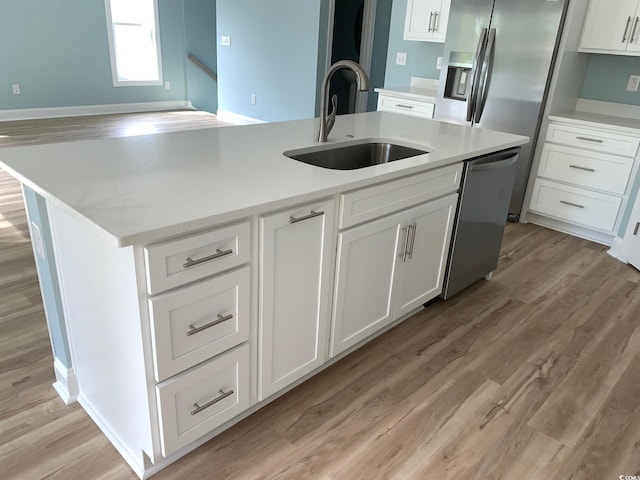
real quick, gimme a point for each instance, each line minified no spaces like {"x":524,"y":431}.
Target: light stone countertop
{"x":142,"y":189}
{"x":597,"y":120}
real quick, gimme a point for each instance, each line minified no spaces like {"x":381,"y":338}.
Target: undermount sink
{"x":353,"y":156}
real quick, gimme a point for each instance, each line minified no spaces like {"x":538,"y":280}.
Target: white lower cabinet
{"x":295,"y":286}
{"x":388,"y":267}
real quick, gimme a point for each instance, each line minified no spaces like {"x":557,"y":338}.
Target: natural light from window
{"x":133,"y":42}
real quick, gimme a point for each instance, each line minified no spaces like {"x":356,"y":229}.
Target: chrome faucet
{"x":327,"y":121}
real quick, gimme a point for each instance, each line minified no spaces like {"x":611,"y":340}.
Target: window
{"x":132,"y":27}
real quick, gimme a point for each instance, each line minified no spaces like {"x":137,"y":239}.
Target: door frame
{"x":366,"y":44}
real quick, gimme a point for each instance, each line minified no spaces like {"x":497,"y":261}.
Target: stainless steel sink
{"x":353,"y":156}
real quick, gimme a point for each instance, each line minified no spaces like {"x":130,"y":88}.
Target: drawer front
{"x":178,"y":262}
{"x":575,"y":205}
{"x":196,"y":402}
{"x":599,"y":171}
{"x":198,"y":322}
{"x":368,"y":203}
{"x":595,"y":140}
{"x":406,"y":106}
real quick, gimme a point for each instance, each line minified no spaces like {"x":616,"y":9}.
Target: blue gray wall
{"x":421,"y":56}
{"x":200,"y":40}
{"x":273,"y":55}
{"x":58,"y":52}
{"x":37,"y":208}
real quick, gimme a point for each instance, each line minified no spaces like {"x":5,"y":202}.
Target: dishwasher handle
{"x":494,"y":162}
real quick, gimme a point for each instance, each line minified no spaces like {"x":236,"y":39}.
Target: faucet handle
{"x":331,"y":118}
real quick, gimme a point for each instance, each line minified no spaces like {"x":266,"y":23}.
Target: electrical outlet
{"x":167,"y":85}
{"x":401,"y":58}
{"x":37,"y":241}
{"x":439,"y":63}
{"x":225,"y":41}
{"x":15,"y":88}
{"x":253,"y":99}
{"x":634,"y":82}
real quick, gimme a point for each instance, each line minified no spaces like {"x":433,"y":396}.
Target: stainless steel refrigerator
{"x":497,"y":64}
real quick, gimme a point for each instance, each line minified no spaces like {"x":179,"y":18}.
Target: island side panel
{"x":41,"y":241}
{"x":98,"y":287}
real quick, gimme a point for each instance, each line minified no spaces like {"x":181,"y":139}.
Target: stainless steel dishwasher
{"x":483,"y":207}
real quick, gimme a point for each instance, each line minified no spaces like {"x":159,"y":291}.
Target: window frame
{"x":112,"y":51}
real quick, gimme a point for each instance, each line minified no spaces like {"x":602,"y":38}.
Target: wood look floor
{"x":532,"y":375}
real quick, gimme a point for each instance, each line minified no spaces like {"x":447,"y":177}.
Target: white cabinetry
{"x":612,"y":26}
{"x":405,"y":105}
{"x":582,"y":181}
{"x":295,"y":288}
{"x":426,"y":20}
{"x":389,"y":266}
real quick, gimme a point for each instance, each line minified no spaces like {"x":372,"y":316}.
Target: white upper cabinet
{"x":426,"y":20}
{"x":612,"y":26}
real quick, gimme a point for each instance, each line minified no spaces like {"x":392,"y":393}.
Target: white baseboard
{"x":617,"y":250}
{"x":237,"y":118}
{"x":66,"y":384}
{"x":84,"y":110}
{"x":575,"y":230}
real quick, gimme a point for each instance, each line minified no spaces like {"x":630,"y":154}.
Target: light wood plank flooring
{"x":532,"y":375}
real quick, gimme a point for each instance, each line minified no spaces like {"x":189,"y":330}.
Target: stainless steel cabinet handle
{"x":399,"y":105}
{"x":430,"y":22}
{"x":403,"y":253}
{"x":435,"y":21}
{"x":633,"y":32}
{"x":412,"y":229}
{"x":578,"y":167}
{"x":635,"y":230}
{"x":587,"y":139}
{"x":222,"y":396}
{"x":571,"y":204}
{"x":219,"y":253}
{"x":221,"y":318}
{"x":626,"y":29}
{"x":306,"y":217}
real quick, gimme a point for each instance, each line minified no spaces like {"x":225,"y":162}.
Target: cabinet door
{"x":426,"y":20}
{"x":609,"y":24}
{"x":295,"y":288}
{"x":634,"y":254}
{"x":365,"y":275}
{"x":421,"y":272}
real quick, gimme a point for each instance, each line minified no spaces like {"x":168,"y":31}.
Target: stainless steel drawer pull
{"x":633,"y":32}
{"x":587,"y":139}
{"x":578,"y":167}
{"x":400,"y":105}
{"x":219,"y":253}
{"x":430,"y":22}
{"x":306,"y":217}
{"x":571,"y":204}
{"x":635,"y":230}
{"x":220,"y":397}
{"x":626,"y":29}
{"x":193,"y":330}
{"x":435,"y":21}
{"x":412,"y":229}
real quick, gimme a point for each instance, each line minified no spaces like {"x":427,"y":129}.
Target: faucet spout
{"x":362,"y":82}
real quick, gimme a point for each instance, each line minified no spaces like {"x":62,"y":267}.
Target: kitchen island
{"x":203,"y":273}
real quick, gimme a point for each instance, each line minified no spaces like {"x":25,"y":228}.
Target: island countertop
{"x":141,"y":189}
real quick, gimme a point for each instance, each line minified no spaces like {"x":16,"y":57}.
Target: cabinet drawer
{"x":599,"y":171}
{"x":196,"y":402}
{"x":178,"y":262}
{"x":575,"y":205}
{"x":406,"y":106}
{"x":596,"y":140}
{"x":368,"y":203}
{"x":198,"y":322}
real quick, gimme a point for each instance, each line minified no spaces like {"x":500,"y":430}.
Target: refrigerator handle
{"x":487,"y":67}
{"x":471,"y":99}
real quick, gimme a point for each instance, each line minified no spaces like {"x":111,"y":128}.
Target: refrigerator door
{"x":466,"y":40}
{"x":519,"y":70}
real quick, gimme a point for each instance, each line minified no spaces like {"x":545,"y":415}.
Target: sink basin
{"x":353,"y":156}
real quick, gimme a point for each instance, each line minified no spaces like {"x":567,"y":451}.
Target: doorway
{"x":351,"y":38}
